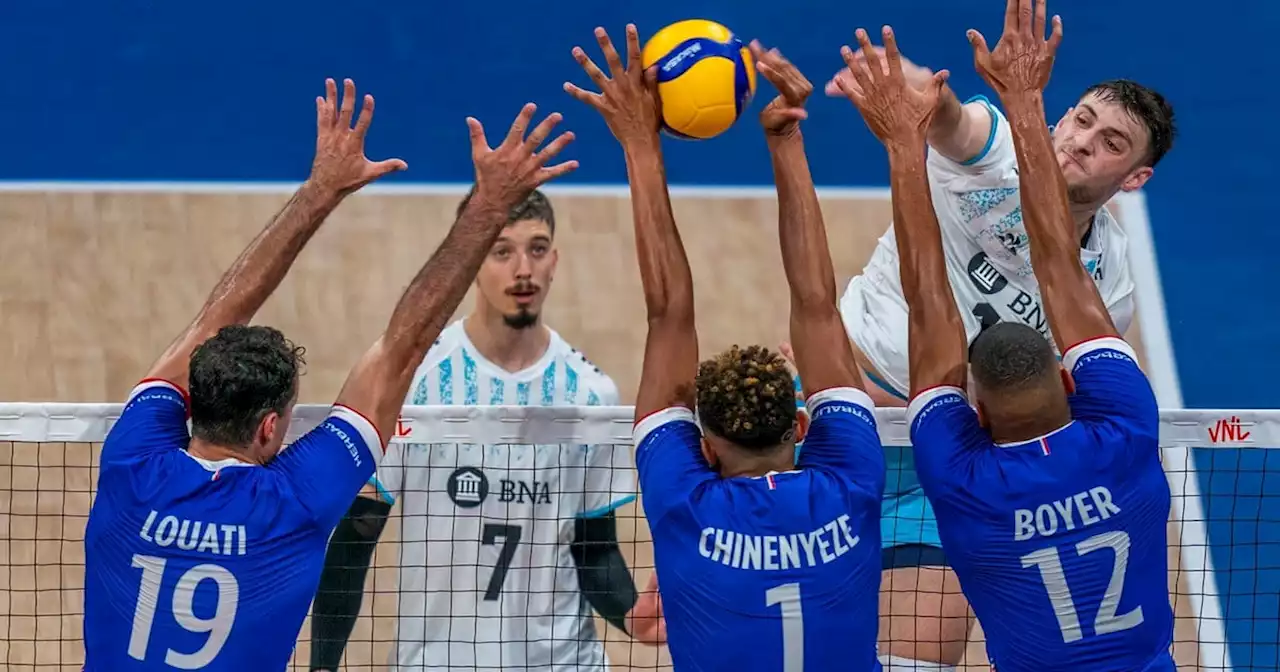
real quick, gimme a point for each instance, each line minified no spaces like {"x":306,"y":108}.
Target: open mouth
{"x":524,"y":296}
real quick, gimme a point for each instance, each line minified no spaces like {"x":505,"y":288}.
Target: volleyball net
{"x":48,"y":470}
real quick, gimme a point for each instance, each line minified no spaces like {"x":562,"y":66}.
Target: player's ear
{"x":1068,"y":383}
{"x":708,"y":454}
{"x":982,"y":414}
{"x":1065,"y":115}
{"x":802,"y":424}
{"x":1137,"y":178}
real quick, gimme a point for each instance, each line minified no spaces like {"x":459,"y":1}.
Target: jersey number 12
{"x":1055,"y":583}
{"x":218,"y":627}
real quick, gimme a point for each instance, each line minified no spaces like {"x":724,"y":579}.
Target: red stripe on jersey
{"x":1044,"y":445}
{"x":769,"y":478}
{"x":382,"y":443}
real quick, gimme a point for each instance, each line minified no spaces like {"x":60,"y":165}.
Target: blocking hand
{"x":506,"y":174}
{"x":783,"y":114}
{"x":894,"y":110}
{"x":340,"y":164}
{"x":628,"y":98}
{"x":1023,"y":59}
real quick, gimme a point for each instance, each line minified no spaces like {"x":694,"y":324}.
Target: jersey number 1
{"x":787,"y":597}
{"x":1055,"y":583}
{"x":218,"y":627}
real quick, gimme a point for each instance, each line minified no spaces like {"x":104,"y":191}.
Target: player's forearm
{"x":936,"y":340}
{"x":441,"y":283}
{"x":1045,"y":209}
{"x":823,"y":356}
{"x":1074,"y":308}
{"x":664,"y":268}
{"x":262,"y":266}
{"x":806,"y":257}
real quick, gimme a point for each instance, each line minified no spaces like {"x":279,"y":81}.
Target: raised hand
{"x":783,"y":114}
{"x":893,"y":109}
{"x":1023,"y":59}
{"x":514,"y":168}
{"x":340,"y":165}
{"x":628,"y":98}
{"x":917,"y":76}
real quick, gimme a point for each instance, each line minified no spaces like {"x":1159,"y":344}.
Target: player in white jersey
{"x":499,"y":544}
{"x":1107,"y":143}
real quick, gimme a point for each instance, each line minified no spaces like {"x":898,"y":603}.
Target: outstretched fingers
{"x":610,"y":54}
{"x":552,"y":150}
{"x":542,"y":131}
{"x":871,"y":56}
{"x":365,"y":118}
{"x":1055,"y":38}
{"x":348,"y":104}
{"x":981,"y":54}
{"x":633,"y":48}
{"x":589,"y":66}
{"x":479,"y":145}
{"x":858,"y":70}
{"x":891,"y":52}
{"x":515,"y":135}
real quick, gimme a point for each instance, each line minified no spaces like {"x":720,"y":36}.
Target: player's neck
{"x":510,"y":349}
{"x":1083,"y":216}
{"x":213,"y":452}
{"x":757,"y":466}
{"x":1023,"y":430}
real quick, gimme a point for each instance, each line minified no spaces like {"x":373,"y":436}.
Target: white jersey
{"x":487,"y":580}
{"x":988,"y":259}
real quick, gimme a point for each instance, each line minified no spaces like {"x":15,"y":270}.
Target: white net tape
{"x":37,"y":422}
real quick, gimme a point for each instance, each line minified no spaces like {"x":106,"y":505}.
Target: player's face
{"x":1101,"y":149}
{"x":517,"y":274}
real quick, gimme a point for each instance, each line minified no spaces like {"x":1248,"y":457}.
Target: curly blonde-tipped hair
{"x":747,"y":397}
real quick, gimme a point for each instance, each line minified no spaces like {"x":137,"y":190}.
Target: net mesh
{"x":48,"y":468}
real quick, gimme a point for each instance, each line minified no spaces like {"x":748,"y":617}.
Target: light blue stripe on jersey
{"x":446,"y":381}
{"x":593,"y":399}
{"x":471,"y":388}
{"x":522,"y":393}
{"x":497,"y":390}
{"x":549,"y":385}
{"x":570,"y":386}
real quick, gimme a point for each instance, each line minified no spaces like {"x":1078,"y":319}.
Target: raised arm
{"x":377,"y":385}
{"x":628,"y":101}
{"x":339,"y":169}
{"x":899,"y":115}
{"x":1018,"y":69}
{"x":823,"y":357}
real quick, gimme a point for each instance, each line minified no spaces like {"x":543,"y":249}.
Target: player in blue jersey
{"x":203,"y":551}
{"x":763,"y":563}
{"x":1050,"y":498}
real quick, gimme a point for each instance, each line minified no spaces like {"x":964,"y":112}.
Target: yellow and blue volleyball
{"x":706,"y":77}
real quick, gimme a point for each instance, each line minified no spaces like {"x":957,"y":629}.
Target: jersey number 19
{"x":1055,"y":583}
{"x":218,"y":627}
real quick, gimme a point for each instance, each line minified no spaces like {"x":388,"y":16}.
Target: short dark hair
{"x":747,"y":397}
{"x":1145,"y":105}
{"x":237,"y":378}
{"x":535,"y":206}
{"x":1011,"y":357}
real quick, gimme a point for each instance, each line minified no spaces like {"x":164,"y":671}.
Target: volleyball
{"x":706,"y":77}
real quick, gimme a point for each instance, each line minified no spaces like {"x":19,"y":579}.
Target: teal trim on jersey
{"x":604,"y":510}
{"x":382,"y":491}
{"x":991,"y":136}
{"x":884,"y":385}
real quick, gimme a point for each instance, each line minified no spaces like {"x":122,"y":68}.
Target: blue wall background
{"x":132,"y":90}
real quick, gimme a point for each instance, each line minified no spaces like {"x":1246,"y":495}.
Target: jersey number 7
{"x":1055,"y":583}
{"x":510,"y":535}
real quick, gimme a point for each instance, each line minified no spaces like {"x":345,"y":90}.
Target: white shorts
{"x":876,"y":319}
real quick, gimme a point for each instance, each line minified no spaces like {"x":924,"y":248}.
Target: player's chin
{"x":522,"y":317}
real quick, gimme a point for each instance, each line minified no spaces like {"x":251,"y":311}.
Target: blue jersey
{"x":192,"y":564}
{"x":779,"y":572}
{"x":1059,"y":542}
